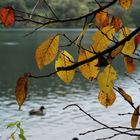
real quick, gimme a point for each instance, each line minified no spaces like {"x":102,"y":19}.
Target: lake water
{"x":17,"y":57}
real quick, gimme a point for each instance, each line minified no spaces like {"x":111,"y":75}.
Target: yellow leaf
{"x":135,"y":118}
{"x":128,"y":61}
{"x":46,"y":52}
{"x":21,"y":89}
{"x":101,"y":39}
{"x":129,"y":46}
{"x":107,"y":98}
{"x":126,"y":4}
{"x":64,"y":60}
{"x":125,"y":95}
{"x":105,"y":79}
{"x":88,"y":70}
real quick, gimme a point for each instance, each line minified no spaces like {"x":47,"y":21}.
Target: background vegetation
{"x":69,"y":8}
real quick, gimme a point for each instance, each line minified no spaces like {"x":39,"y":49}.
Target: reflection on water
{"x":57,"y":124}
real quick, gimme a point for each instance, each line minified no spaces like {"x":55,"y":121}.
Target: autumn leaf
{"x":7,"y":16}
{"x":22,"y":89}
{"x":125,"y":95}
{"x":102,"y":19}
{"x":130,"y":66}
{"x":137,"y":39}
{"x":135,"y":118}
{"x":126,"y":4}
{"x":107,"y":98}
{"x":64,"y":60}
{"x":102,"y":38}
{"x":88,"y":70}
{"x":106,"y":78}
{"x":46,"y":52}
{"x":129,"y":46}
{"x":116,"y":22}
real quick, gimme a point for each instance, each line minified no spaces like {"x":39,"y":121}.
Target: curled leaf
{"x":64,"y":60}
{"x":125,"y":95}
{"x":135,"y":118}
{"x":46,"y":52}
{"x":7,"y":16}
{"x":130,"y":66}
{"x":22,"y":89}
{"x":126,"y":4}
{"x":88,"y":70}
{"x":107,"y":98}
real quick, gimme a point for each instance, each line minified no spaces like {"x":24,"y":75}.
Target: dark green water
{"x":17,"y":57}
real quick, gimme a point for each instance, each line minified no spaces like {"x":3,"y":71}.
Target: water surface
{"x":17,"y":57}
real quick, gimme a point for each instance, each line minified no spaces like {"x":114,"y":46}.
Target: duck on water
{"x":38,"y":112}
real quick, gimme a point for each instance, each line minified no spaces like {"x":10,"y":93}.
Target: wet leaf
{"x":11,"y":125}
{"x":106,"y":78}
{"x":126,"y":4}
{"x":46,"y":52}
{"x":129,"y":46}
{"x":116,"y":23}
{"x":7,"y":16}
{"x":88,"y":70}
{"x":22,"y":89}
{"x":125,"y":95}
{"x":22,"y":137}
{"x":135,"y":118}
{"x":102,"y":19}
{"x":107,"y":98}
{"x":101,"y":39}
{"x":130,"y":66}
{"x":64,"y":60}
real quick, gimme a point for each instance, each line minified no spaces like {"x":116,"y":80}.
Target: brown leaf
{"x":21,"y":89}
{"x":135,"y":118}
{"x":125,"y":95}
{"x":128,"y":61}
{"x":7,"y":16}
{"x":116,"y":23}
{"x":137,"y":39}
{"x":102,"y":19}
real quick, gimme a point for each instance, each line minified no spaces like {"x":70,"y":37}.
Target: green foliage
{"x":17,"y":130}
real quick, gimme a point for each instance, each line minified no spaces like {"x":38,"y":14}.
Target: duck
{"x":38,"y":112}
{"x":75,"y":138}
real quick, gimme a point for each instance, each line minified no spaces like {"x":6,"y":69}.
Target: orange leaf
{"x":126,"y":4}
{"x":137,"y":39}
{"x":21,"y":89}
{"x":7,"y":16}
{"x":116,"y":23}
{"x":102,"y":19}
{"x":135,"y":118}
{"x":125,"y":95}
{"x":128,"y":61}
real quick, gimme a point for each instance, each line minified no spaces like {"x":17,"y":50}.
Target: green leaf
{"x":22,"y":137}
{"x":13,"y":136}
{"x":21,"y":131}
{"x":11,"y":125}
